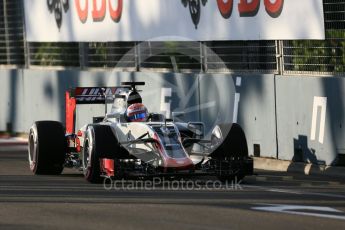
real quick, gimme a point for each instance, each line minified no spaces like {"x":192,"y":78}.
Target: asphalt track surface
{"x":267,"y":201}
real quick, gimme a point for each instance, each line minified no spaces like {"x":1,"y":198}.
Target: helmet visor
{"x":138,"y":116}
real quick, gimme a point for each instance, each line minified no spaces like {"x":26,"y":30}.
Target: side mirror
{"x":197,"y":127}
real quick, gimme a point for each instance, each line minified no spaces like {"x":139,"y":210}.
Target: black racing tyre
{"x":90,"y":158}
{"x":47,"y":147}
{"x":99,"y":142}
{"x":230,"y":142}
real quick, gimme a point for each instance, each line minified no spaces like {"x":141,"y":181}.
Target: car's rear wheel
{"x":47,"y":147}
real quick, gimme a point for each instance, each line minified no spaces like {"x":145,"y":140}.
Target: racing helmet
{"x":137,"y":112}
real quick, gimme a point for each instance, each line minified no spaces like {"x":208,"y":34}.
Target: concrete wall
{"x":31,"y":95}
{"x":244,"y":99}
{"x":310,"y":115}
{"x":11,"y":103}
{"x":276,"y":112}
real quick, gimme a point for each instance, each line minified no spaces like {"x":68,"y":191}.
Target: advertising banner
{"x":177,"y":20}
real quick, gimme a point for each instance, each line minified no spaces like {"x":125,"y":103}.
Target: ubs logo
{"x":194,"y":9}
{"x":57,"y":7}
{"x":246,"y":8}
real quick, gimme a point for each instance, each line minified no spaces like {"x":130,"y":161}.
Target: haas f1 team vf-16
{"x":130,"y":142}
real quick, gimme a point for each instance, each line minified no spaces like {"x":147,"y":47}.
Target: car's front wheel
{"x":90,"y":157}
{"x":231,"y":149}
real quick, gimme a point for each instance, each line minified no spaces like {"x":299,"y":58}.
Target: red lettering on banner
{"x":99,"y":14}
{"x":82,"y":13}
{"x":99,"y":10}
{"x":115,"y":14}
{"x":274,"y":9}
{"x":248,"y":9}
{"x":225,"y":8}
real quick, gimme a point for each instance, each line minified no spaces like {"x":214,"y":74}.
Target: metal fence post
{"x":25,"y":43}
{"x":83,"y":54}
{"x":279,"y":57}
{"x":203,"y":56}
{"x":7,"y":42}
{"x":137,"y":56}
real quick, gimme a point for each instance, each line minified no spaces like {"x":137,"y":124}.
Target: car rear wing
{"x":92,"y":95}
{"x":85,"y":95}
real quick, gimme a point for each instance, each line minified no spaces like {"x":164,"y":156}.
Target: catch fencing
{"x":306,"y":57}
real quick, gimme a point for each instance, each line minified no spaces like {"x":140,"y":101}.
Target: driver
{"x":137,"y":112}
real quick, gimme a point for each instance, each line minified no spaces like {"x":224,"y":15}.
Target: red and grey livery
{"x":113,"y":147}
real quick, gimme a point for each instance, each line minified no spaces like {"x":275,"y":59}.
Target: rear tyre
{"x":47,"y":147}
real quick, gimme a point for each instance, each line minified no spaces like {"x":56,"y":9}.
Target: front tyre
{"x":47,"y":147}
{"x":231,"y":153}
{"x":90,"y":158}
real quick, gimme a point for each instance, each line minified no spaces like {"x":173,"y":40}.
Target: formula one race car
{"x":130,"y":142}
